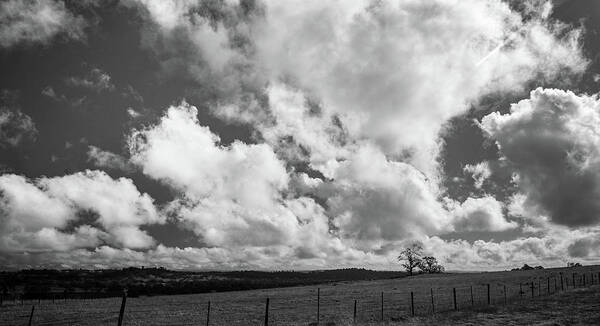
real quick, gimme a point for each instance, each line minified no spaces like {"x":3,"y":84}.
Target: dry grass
{"x":297,"y":305}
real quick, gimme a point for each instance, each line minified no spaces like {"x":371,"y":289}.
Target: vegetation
{"x":412,"y":257}
{"x":158,"y":281}
{"x":297,"y":305}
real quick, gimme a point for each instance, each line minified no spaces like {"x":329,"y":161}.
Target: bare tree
{"x":411,"y":257}
{"x":429,"y":264}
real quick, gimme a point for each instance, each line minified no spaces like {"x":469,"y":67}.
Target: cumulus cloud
{"x":231,"y":196}
{"x":375,"y":200}
{"x":48,"y":213}
{"x":37,"y":21}
{"x":15,"y":127}
{"x":105,"y":159}
{"x":96,"y":80}
{"x":480,"y":214}
{"x":354,"y":58}
{"x":479,"y":172}
{"x":551,"y":142}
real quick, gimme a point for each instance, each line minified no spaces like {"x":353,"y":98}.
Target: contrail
{"x":496,"y":49}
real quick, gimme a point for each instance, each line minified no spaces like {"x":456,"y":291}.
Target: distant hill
{"x":160,"y":281}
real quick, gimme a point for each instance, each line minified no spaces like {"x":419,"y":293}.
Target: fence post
{"x":472,"y":301}
{"x":488,"y":294}
{"x":548,"y":289}
{"x":122,"y":311}
{"x":505,"y":294}
{"x":381,"y":305}
{"x":267,"y":313}
{"x":432,"y":302}
{"x":562,"y":287}
{"x":354,"y":315}
{"x":412,"y":304}
{"x":539,"y":287}
{"x":208,"y":313}
{"x":318,"y":304}
{"x":555,"y":286}
{"x":584,"y":279}
{"x":532,"y":289}
{"x":31,"y":315}
{"x":521,"y":290}
{"x":574,"y":280}
{"x":454,"y":298}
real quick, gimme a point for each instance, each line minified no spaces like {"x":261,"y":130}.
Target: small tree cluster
{"x":412,"y":258}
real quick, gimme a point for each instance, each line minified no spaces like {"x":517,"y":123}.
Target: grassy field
{"x":298,"y":305}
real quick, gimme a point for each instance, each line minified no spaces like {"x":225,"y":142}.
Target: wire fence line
{"x":316,"y":305}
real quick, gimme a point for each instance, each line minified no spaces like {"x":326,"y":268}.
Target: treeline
{"x":46,"y":284}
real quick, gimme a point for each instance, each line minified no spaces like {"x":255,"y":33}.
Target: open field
{"x":298,"y":305}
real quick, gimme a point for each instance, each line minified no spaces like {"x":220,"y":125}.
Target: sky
{"x":280,"y":135}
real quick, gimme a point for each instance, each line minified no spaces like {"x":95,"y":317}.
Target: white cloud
{"x":375,"y":200}
{"x":231,"y":196}
{"x":15,"y":127}
{"x":133,"y":113}
{"x":480,"y":214}
{"x":39,"y":214}
{"x":479,"y":172}
{"x":405,"y":67}
{"x":551,"y":141}
{"x":37,"y":22}
{"x":96,"y":80}
{"x":105,"y":159}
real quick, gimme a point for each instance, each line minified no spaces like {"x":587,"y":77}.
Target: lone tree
{"x":411,"y":257}
{"x":429,"y":264}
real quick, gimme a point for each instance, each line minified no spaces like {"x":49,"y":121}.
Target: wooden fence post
{"x":573,"y":280}
{"x":381,"y":305}
{"x":267,"y":313}
{"x":31,"y":315}
{"x":412,"y":304}
{"x":532,"y":289}
{"x":488,"y":294}
{"x":555,"y":286}
{"x":539,"y":287}
{"x":584,"y":279}
{"x":505,"y":294}
{"x":548,"y":288}
{"x":354,"y":315}
{"x":318,"y":304}
{"x":432,"y":302}
{"x":521,"y":290}
{"x":454,"y":298}
{"x":472,"y":300}
{"x":208,"y":313}
{"x":122,"y":311}
{"x":562,"y":287}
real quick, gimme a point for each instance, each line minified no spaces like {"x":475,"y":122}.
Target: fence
{"x":307,"y":305}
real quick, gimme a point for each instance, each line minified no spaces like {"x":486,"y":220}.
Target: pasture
{"x":387,"y":301}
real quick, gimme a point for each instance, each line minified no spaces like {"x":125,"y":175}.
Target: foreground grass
{"x":575,"y":307}
{"x":298,"y":305}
